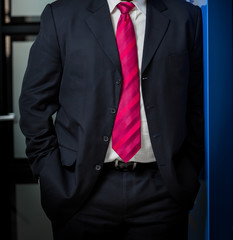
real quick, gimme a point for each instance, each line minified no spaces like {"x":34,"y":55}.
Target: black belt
{"x":129,"y":166}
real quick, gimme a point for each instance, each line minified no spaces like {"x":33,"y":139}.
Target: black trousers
{"x":127,"y":205}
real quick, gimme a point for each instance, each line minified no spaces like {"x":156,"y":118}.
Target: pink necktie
{"x":126,"y":135}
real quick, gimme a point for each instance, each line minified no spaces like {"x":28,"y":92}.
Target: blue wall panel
{"x":212,"y":216}
{"x":220,"y":120}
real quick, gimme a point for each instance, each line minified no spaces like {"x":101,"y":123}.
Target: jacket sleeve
{"x":195,"y":109}
{"x":39,"y":95}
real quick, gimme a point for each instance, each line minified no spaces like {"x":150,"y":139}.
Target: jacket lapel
{"x":99,"y":22}
{"x":156,"y":28}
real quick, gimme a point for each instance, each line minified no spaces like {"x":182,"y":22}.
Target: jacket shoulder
{"x":181,"y":6}
{"x":65,"y":7}
{"x":68,"y":3}
{"x":182,"y":10}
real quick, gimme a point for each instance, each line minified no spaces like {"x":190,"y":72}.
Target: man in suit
{"x":125,"y":79}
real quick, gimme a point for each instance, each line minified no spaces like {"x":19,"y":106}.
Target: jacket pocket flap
{"x":68,"y":156}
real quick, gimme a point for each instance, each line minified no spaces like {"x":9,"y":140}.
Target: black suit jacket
{"x":74,"y":71}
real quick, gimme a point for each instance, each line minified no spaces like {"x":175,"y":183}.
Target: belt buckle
{"x":125,"y":167}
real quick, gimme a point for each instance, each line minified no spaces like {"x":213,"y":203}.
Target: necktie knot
{"x":125,"y":7}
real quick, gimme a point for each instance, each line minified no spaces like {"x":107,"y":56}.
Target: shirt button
{"x":106,"y":138}
{"x":98,"y":167}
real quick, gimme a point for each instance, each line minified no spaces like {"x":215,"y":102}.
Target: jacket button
{"x":144,"y":78}
{"x":156,"y":135}
{"x":98,"y":167}
{"x":106,"y":138}
{"x":113,"y":110}
{"x":118,"y":82}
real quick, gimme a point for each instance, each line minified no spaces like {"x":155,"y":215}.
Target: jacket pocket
{"x":178,"y":71}
{"x":68,"y":157}
{"x":177,"y":61}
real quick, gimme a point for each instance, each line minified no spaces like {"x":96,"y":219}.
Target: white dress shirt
{"x":138,"y":17}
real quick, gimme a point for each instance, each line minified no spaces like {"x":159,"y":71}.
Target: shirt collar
{"x":140,"y":4}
